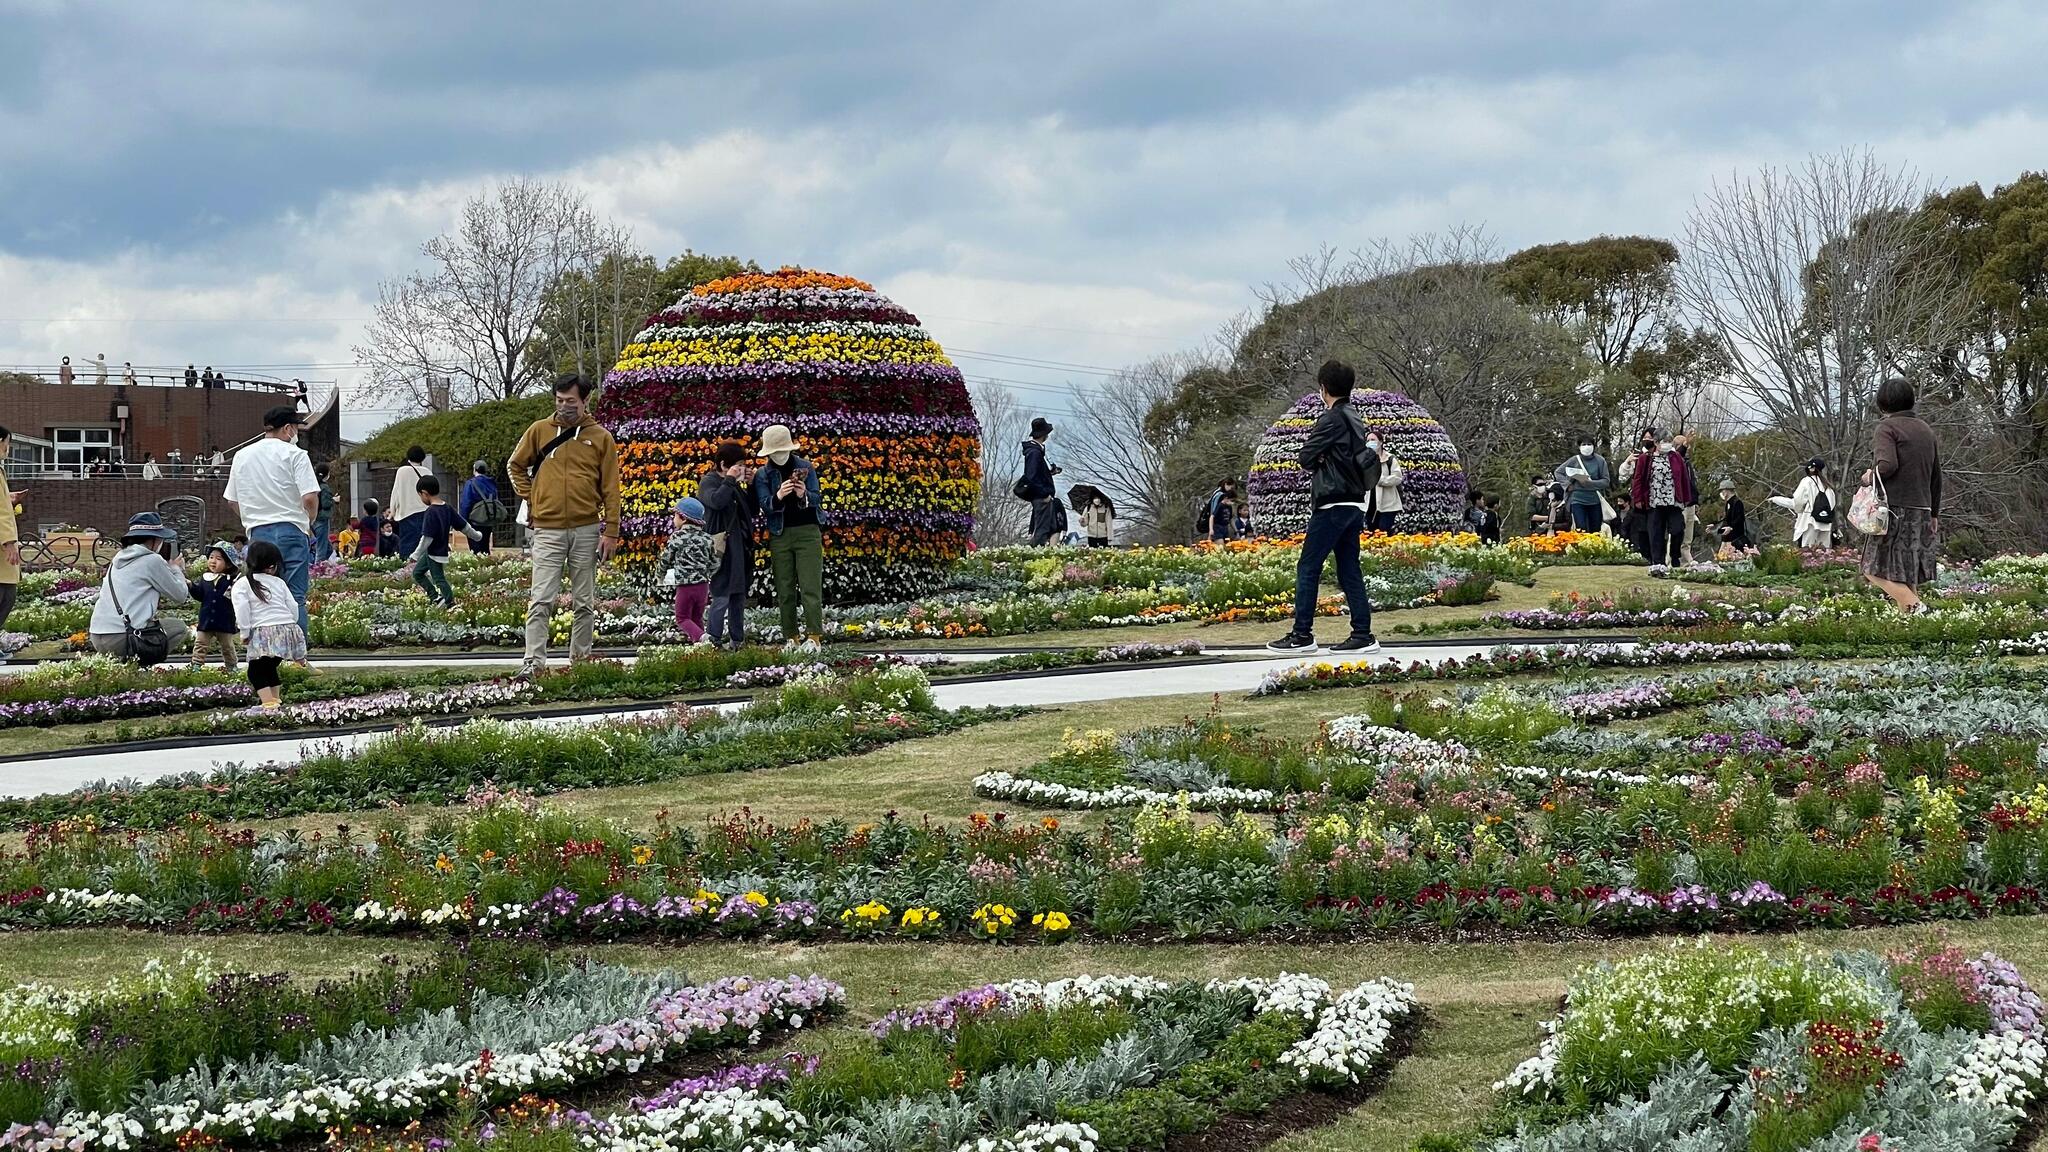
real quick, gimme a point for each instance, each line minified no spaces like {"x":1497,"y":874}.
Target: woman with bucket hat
{"x":126,"y":623}
{"x":786,"y":489}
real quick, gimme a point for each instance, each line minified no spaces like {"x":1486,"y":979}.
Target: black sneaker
{"x":1365,"y":643}
{"x":1302,"y":645}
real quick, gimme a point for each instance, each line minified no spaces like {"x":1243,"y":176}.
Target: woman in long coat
{"x":726,"y":491}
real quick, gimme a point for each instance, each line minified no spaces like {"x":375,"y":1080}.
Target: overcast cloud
{"x":1089,"y":183}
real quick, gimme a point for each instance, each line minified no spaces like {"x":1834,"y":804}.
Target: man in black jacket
{"x":1344,"y":470}
{"x":1046,"y":518}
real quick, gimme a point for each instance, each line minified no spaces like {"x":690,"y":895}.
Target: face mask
{"x":780,"y":458}
{"x":1586,"y":450}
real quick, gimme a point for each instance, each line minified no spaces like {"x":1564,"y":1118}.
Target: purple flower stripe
{"x":743,"y":425}
{"x":140,"y":702}
{"x":781,"y":371}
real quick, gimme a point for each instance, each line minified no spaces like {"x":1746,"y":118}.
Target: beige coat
{"x":10,"y":571}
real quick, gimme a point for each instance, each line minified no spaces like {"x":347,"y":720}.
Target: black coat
{"x":1342,"y":469}
{"x":1037,"y":475}
{"x":729,"y":508}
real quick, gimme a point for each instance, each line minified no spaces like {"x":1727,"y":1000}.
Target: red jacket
{"x":1681,"y":479}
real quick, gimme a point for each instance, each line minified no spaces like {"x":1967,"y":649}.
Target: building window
{"x":81,"y":448}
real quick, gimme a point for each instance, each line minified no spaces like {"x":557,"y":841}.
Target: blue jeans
{"x":291,"y":541}
{"x":1586,"y":517}
{"x":409,"y":530}
{"x":323,"y":541}
{"x":1331,"y":530}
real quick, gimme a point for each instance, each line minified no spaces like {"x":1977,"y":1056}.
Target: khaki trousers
{"x":556,"y":550}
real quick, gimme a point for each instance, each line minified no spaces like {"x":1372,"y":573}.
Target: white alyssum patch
{"x":1044,"y":793}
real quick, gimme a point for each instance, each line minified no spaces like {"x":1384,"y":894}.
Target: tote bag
{"x":1870,"y":512}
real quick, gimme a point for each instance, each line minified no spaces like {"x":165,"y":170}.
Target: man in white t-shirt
{"x":272,"y":487}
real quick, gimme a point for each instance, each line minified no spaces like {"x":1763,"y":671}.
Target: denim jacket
{"x":769,"y":477}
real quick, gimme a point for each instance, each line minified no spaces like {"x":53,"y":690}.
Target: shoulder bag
{"x":147,"y":645}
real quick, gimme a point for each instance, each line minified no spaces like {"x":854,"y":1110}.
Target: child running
{"x":430,"y":559}
{"x":688,"y":563}
{"x":270,"y":620}
{"x":214,"y":593}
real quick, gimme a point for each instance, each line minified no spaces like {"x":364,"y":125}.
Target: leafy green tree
{"x":487,"y":431}
{"x":1616,"y":293}
{"x":2000,"y":241}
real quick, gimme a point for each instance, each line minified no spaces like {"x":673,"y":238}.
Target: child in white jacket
{"x":269,"y":618}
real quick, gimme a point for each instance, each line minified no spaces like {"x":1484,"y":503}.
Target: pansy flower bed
{"x":1087,"y":1064}
{"x":233,"y":1059}
{"x":1726,"y":1047}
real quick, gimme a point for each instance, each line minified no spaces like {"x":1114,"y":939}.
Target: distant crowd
{"x":98,"y":373}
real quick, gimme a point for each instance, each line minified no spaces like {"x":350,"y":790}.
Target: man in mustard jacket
{"x":566,"y":472}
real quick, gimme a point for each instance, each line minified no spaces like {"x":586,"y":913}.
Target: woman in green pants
{"x":786,"y":488}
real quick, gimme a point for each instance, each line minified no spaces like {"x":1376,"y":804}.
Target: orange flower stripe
{"x":784,"y":278}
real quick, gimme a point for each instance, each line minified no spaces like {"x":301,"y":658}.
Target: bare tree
{"x":1818,"y":282}
{"x":999,"y":517}
{"x":1110,"y":446}
{"x":472,"y":315}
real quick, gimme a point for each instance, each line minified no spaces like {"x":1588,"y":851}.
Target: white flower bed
{"x":1350,"y":1034}
{"x":1391,"y":749}
{"x":1048,"y":794}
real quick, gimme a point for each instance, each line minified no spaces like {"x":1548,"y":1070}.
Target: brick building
{"x":77,"y":449}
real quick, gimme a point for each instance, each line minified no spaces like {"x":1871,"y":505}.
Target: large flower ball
{"x":1432,"y":496}
{"x":871,"y":398}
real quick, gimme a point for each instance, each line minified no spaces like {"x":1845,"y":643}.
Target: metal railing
{"x":88,"y":375}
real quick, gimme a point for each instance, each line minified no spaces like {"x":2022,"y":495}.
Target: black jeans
{"x":1331,"y":530}
{"x":1667,"y":535}
{"x":725,"y":618}
{"x":6,"y":596}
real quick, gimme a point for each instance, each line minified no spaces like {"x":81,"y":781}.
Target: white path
{"x":62,"y":774}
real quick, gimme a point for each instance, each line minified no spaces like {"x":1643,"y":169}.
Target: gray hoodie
{"x":142,"y":578}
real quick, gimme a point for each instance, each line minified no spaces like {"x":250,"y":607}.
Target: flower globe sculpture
{"x":1432,"y":496}
{"x":870,"y":397}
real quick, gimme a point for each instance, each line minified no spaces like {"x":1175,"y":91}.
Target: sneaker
{"x":1365,"y":643}
{"x":1304,"y":645}
{"x":528,"y":671}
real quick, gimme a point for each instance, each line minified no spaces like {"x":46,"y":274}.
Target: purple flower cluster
{"x":1639,"y":699}
{"x":2013,"y":1003}
{"x":943,"y":1014}
{"x":752,"y":1077}
{"x":117,"y":705}
{"x":1145,"y":650}
{"x":12,"y":642}
{"x":1749,"y":742}
{"x":702,"y":1015}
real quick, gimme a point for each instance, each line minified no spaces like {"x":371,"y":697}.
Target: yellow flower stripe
{"x":814,"y":347}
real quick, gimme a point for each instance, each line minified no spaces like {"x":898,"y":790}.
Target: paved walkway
{"x":1235,"y":677}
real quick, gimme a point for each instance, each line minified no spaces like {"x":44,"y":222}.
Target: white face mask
{"x":780,"y":458}
{"x":1586,"y":450}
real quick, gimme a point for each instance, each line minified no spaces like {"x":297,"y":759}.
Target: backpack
{"x":489,"y":512}
{"x":1823,"y":510}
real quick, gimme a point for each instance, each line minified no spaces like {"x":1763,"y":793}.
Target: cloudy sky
{"x":1084,"y":184}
